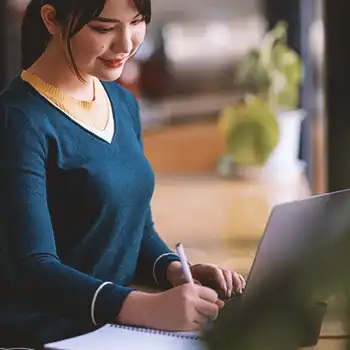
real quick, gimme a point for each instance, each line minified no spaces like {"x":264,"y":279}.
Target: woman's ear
{"x":48,"y":14}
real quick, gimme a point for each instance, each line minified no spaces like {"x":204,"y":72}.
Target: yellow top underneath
{"x":94,"y":113}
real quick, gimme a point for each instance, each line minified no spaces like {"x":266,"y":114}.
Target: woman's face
{"x":103,"y":46}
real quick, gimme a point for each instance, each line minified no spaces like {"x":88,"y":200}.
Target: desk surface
{"x":218,"y":220}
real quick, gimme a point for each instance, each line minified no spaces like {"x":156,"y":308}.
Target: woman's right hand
{"x":187,"y":307}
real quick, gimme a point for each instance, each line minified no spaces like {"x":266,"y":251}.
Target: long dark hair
{"x":73,"y":15}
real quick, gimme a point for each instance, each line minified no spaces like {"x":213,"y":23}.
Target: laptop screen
{"x":295,"y":236}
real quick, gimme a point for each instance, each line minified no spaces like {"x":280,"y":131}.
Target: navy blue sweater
{"x":75,"y":212}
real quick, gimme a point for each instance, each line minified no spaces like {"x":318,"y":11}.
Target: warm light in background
{"x":207,"y":45}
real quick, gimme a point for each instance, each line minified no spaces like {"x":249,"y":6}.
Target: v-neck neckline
{"x":78,"y":124}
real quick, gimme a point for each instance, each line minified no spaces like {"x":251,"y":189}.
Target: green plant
{"x":274,"y":70}
{"x":273,"y":73}
{"x":251,"y":131}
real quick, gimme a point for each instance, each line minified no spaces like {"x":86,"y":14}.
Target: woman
{"x":76,"y":186}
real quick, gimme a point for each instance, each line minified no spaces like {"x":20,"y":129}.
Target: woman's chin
{"x":109,"y":75}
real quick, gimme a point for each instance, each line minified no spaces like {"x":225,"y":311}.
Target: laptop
{"x":302,"y":258}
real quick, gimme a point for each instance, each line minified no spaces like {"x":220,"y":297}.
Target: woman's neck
{"x":54,"y":69}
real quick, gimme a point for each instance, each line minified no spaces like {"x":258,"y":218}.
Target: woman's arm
{"x":155,"y":256}
{"x":36,"y":273}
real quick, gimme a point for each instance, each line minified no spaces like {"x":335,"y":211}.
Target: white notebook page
{"x":112,"y":337}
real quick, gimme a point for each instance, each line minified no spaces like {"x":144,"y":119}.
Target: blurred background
{"x":224,"y":154}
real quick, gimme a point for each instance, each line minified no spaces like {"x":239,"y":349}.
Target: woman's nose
{"x":123,"y":42}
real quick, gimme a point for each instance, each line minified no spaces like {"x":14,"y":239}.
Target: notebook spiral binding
{"x":156,"y":331}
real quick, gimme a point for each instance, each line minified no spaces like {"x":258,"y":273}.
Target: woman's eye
{"x":138,"y":21}
{"x":102,"y":30}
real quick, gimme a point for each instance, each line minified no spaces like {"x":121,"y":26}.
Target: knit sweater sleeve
{"x":28,"y":237}
{"x":155,"y":255}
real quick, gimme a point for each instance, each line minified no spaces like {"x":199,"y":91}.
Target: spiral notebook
{"x":113,"y":337}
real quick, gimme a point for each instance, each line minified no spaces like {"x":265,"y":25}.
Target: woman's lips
{"x":112,"y":63}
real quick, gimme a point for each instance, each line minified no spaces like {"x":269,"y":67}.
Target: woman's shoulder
{"x":16,"y":94}
{"x":23,"y":115}
{"x":20,"y":102}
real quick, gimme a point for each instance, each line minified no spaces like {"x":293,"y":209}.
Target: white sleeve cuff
{"x":155,"y":264}
{"x":94,"y":301}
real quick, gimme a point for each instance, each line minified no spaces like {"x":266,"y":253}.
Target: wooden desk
{"x":219,"y":220}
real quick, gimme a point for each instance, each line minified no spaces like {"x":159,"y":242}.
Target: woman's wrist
{"x":135,"y":310}
{"x":175,"y":274}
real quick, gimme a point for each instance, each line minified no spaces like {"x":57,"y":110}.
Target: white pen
{"x":184,"y":263}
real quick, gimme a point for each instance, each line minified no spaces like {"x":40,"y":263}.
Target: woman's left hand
{"x":228,"y":281}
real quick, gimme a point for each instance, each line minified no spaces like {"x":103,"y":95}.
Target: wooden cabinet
{"x":186,"y":148}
